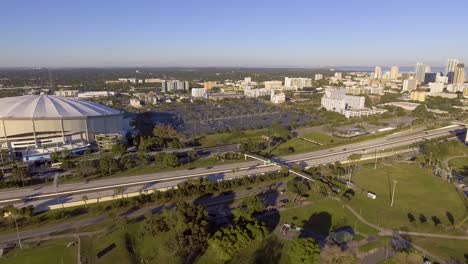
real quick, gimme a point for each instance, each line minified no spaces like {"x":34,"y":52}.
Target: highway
{"x":45,"y":195}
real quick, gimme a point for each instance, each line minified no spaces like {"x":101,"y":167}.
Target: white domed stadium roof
{"x":47,"y":106}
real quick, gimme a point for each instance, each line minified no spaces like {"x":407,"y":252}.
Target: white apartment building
{"x":335,"y":99}
{"x":318,"y":77}
{"x":248,"y":92}
{"x":339,"y":75}
{"x":198,"y":92}
{"x":299,"y":83}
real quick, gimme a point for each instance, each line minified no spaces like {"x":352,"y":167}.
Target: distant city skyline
{"x":208,"y":33}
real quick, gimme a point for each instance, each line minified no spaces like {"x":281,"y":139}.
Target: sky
{"x":239,"y":33}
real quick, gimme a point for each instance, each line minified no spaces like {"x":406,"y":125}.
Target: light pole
{"x":17,"y":231}
{"x":393,"y":195}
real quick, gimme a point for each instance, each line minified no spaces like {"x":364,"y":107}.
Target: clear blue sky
{"x":232,"y":33}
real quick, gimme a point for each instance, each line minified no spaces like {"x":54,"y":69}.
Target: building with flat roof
{"x":419,"y":96}
{"x":273,"y":84}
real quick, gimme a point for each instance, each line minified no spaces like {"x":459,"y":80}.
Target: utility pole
{"x":375,"y":163}
{"x":393,"y":195}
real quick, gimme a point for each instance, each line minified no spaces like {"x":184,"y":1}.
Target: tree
{"x":118,"y":149}
{"x":171,"y":160}
{"x":228,"y":241}
{"x":298,"y":187}
{"x":303,"y":250}
{"x":55,"y":156}
{"x":248,"y":207}
{"x":119,"y":191}
{"x":335,"y":255}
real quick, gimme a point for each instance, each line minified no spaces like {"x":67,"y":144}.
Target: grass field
{"x":429,"y":202}
{"x":323,"y":139}
{"x":232,"y":138}
{"x":460,"y":165}
{"x":107,"y":248}
{"x":298,"y":145}
{"x":444,"y":248}
{"x":53,"y":251}
{"x":322,"y":216}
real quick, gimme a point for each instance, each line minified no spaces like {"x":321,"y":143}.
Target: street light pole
{"x":17,"y":233}
{"x":393,"y":195}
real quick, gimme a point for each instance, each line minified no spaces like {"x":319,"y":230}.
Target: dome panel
{"x":49,"y":106}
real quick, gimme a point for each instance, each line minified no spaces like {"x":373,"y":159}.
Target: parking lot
{"x":218,"y":117}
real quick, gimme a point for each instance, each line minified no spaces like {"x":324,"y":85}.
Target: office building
{"x":378,"y":73}
{"x":95,"y":94}
{"x":318,"y":77}
{"x":174,"y":86}
{"x":410,"y":84}
{"x":247,"y":80}
{"x":419,"y":96}
{"x":430,"y":77}
{"x":420,"y":71}
{"x":273,"y":84}
{"x":459,"y":74}
{"x":209,"y":85}
{"x":436,"y":87}
{"x":34,"y":126}
{"x":394,"y":72}
{"x":339,"y":75}
{"x":451,"y":65}
{"x":428,"y":69}
{"x":67,"y":93}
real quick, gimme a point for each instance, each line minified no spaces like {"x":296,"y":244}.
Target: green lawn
{"x":323,"y":139}
{"x":322,"y":216}
{"x":460,"y":165}
{"x":299,"y":146}
{"x":383,"y":241}
{"x":53,"y":251}
{"x":444,"y":248}
{"x":232,"y":137}
{"x":419,"y":196}
{"x":108,"y":248}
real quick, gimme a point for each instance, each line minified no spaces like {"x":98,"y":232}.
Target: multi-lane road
{"x":47,"y":195}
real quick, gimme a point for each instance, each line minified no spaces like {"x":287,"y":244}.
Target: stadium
{"x":33,"y":126}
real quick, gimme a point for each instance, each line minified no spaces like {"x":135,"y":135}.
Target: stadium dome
{"x":36,"y":125}
{"x":45,"y":106}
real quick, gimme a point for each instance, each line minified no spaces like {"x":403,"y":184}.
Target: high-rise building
{"x":339,"y":75}
{"x":174,"y":85}
{"x":428,"y":69}
{"x":451,"y":65}
{"x":318,"y":77}
{"x":410,"y":84}
{"x":394,"y":72}
{"x":378,"y":73}
{"x":430,"y":77}
{"x":459,"y":76}
{"x":419,"y":70}
{"x":247,"y":80}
